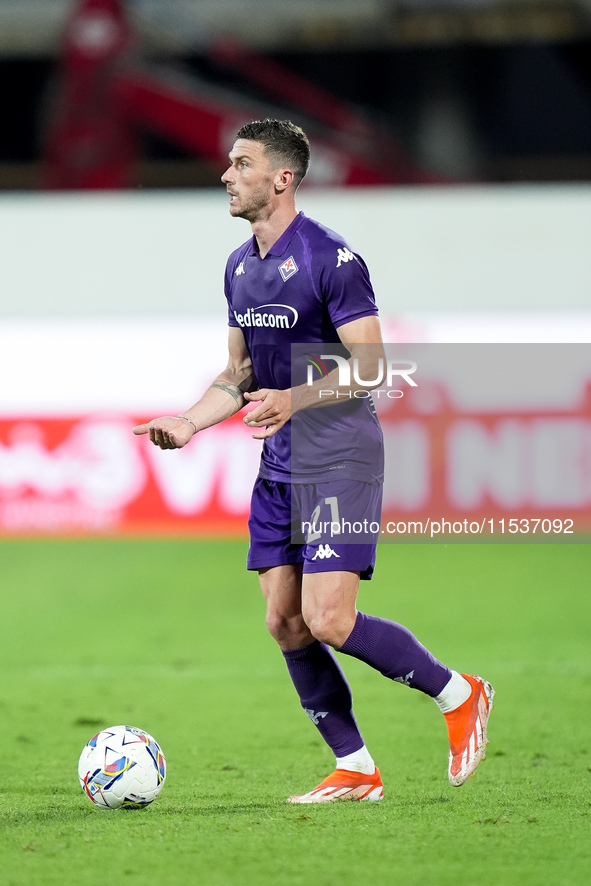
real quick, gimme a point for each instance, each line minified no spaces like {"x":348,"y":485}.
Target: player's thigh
{"x":328,"y":604}
{"x":282,"y":590}
{"x":282,"y":587}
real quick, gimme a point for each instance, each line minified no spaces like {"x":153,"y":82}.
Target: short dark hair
{"x":284,"y":142}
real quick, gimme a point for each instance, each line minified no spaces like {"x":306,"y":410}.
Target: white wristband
{"x":189,"y":420}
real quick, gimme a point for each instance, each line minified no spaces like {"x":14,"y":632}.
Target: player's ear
{"x":283,"y":179}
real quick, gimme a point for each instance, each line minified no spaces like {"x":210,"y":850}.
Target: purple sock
{"x":325,"y":696}
{"x":391,"y":649}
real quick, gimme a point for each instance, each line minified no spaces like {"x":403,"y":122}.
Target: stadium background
{"x":471,"y":120}
{"x":111,"y":309}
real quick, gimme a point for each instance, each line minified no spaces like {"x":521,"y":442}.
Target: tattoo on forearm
{"x":230,"y":389}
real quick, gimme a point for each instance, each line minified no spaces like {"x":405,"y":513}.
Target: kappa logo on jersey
{"x":325,"y":552}
{"x":288,"y":268}
{"x":344,"y":255}
{"x":240,"y":269}
{"x":315,"y":717}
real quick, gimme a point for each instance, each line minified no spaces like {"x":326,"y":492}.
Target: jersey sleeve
{"x":228,"y":277}
{"x":346,"y":287}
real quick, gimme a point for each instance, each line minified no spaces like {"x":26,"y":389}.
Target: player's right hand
{"x":167,"y":432}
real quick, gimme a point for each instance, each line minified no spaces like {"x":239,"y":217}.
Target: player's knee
{"x":323,"y":630}
{"x":286,"y":630}
{"x":275,"y":624}
{"x":329,"y":627}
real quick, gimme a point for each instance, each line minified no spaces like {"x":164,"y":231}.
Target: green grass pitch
{"x":169,"y":636}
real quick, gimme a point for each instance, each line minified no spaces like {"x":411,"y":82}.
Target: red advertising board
{"x":90,"y":475}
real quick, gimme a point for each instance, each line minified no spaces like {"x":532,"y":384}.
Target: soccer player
{"x":295,"y":281}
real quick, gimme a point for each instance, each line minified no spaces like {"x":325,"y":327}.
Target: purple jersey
{"x":308,"y":285}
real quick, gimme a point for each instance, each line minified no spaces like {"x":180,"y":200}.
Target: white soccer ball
{"x":122,"y":768}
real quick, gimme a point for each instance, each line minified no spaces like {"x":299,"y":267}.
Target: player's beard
{"x":253,"y":207}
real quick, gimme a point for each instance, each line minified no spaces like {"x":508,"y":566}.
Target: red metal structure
{"x":90,"y":141}
{"x":104,"y":96}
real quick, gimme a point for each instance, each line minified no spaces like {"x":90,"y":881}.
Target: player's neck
{"x":268,"y":230}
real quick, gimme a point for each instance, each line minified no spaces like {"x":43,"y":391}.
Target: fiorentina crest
{"x":288,"y":268}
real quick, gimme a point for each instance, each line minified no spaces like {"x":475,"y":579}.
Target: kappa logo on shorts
{"x":288,"y":268}
{"x":325,"y":552}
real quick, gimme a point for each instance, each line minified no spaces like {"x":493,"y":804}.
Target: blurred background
{"x":451,"y":146}
{"x":466,"y":90}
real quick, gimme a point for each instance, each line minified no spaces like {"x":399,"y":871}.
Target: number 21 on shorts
{"x":319,"y":527}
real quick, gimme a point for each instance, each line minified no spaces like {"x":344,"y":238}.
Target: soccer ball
{"x":122,"y":768}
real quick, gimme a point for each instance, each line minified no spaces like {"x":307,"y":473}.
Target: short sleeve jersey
{"x":308,"y":285}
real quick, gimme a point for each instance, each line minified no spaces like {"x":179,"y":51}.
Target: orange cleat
{"x":344,"y":785}
{"x":466,"y":727}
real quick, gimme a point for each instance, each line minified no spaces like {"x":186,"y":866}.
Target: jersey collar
{"x":280,"y":246}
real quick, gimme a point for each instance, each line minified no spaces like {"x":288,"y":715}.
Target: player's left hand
{"x":272,"y":413}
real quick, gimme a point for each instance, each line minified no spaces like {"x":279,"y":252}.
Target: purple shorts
{"x":329,"y":527}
